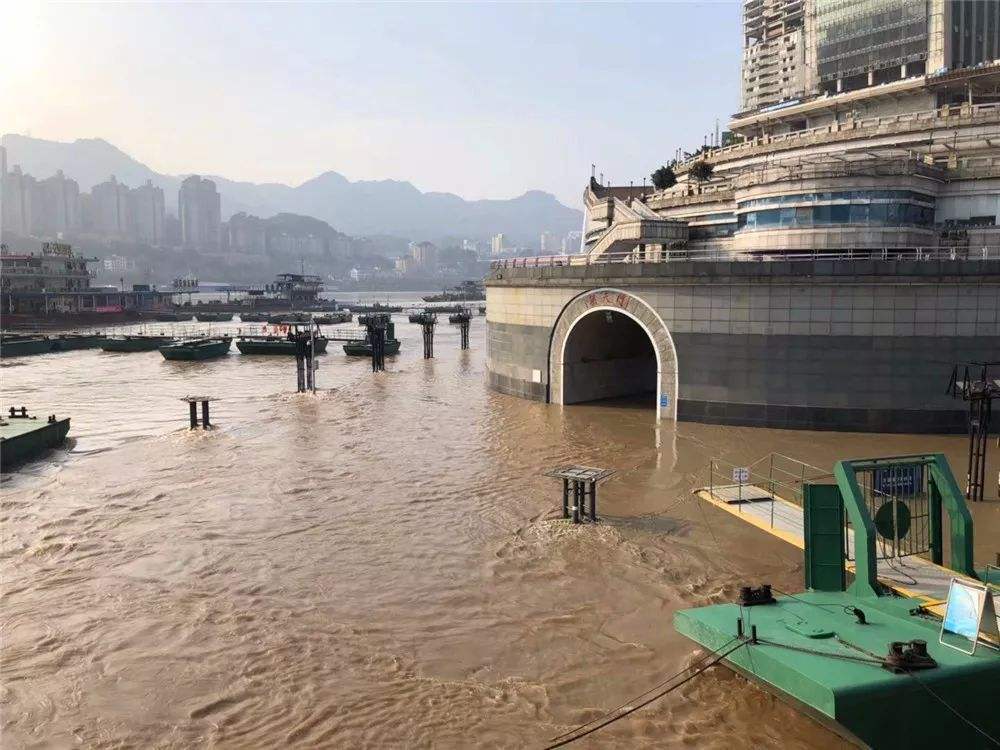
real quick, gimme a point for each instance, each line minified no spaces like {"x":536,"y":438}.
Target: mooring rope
{"x":632,"y":700}
{"x":604,"y":720}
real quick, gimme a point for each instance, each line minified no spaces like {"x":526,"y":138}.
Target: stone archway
{"x":623,"y":303}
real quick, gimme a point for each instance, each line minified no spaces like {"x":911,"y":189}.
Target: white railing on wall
{"x":991,"y":252}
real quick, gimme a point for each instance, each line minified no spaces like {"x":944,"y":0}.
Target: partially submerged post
{"x":427,"y":321}
{"x":580,"y":483}
{"x":462,"y":318}
{"x":305,"y":362}
{"x":376,"y":326}
{"x":193,"y":402}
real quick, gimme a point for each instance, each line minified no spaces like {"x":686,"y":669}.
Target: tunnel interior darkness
{"x":608,"y":355}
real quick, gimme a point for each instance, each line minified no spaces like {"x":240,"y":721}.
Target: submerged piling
{"x":192,"y":402}
{"x":427,"y":321}
{"x":462,"y":318}
{"x":376,"y":326}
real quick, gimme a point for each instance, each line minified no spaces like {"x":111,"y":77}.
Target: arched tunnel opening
{"x":609,"y":355}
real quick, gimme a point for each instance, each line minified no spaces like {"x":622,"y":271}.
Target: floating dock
{"x":871,"y":648}
{"x":23,"y":437}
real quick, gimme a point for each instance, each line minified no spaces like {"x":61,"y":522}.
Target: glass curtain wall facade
{"x":854,"y":37}
{"x":876,"y":208}
{"x":975,"y":32}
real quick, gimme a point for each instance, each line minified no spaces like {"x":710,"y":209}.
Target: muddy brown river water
{"x":378,"y":565}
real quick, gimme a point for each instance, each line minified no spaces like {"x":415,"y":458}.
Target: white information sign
{"x":968,"y":615}
{"x":741,"y":474}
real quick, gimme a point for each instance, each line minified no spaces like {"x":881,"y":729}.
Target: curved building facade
{"x":859,"y":345}
{"x":826,"y":268}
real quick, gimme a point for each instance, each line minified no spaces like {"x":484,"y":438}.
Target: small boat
{"x":275,"y":345}
{"x":172,"y":317}
{"x":253,"y":317}
{"x":213,"y":317}
{"x":332,"y":318}
{"x":136,"y":343}
{"x":467,"y":291}
{"x":458,"y":317}
{"x":288,"y":317}
{"x":66,"y":342}
{"x":197,"y":349}
{"x":416,"y":317}
{"x":22,"y":345}
{"x":363,"y":348}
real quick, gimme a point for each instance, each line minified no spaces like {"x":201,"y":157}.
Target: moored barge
{"x":23,"y":437}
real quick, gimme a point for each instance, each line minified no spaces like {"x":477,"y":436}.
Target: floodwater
{"x":378,"y":565}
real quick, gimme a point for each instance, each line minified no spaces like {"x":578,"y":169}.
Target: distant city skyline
{"x":484,"y":101}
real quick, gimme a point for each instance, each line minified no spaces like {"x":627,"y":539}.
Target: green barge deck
{"x":24,"y":437}
{"x":812,"y":652}
{"x":872,"y":534}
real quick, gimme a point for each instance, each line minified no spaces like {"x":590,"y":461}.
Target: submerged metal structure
{"x":979,"y":392}
{"x":376,"y":325}
{"x":580,"y":484}
{"x":426,"y":321}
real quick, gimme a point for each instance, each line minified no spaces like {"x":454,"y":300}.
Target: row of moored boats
{"x":324,"y":318}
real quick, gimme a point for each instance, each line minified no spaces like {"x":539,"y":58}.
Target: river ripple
{"x":378,"y":565}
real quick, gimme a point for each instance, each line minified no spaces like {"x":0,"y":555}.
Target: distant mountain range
{"x":376,"y":207}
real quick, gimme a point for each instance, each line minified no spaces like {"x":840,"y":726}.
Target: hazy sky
{"x":484,"y":100}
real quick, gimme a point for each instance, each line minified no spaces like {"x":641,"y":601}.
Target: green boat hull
{"x":196,"y":351}
{"x":136,"y":343}
{"x":277,"y":345}
{"x":31,"y":440}
{"x":72,"y":341}
{"x":214,"y":317}
{"x":364,"y":349}
{"x":23,"y":347}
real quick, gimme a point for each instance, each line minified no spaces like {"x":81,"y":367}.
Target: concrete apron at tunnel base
{"x":843,"y":345}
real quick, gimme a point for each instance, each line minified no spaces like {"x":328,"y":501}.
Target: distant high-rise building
{"x":247,"y":234}
{"x":424,"y":254}
{"x":549,"y":244}
{"x":571,"y":243}
{"x":19,"y":202}
{"x":200,"y":209}
{"x":60,"y":204}
{"x":171,"y":231}
{"x":496,"y":244}
{"x":147,"y":213}
{"x":109,"y":209}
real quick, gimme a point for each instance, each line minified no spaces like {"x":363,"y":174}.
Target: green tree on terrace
{"x":701,"y":171}
{"x":664,"y":178}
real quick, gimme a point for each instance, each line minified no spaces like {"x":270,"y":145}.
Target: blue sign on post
{"x":899,"y":481}
{"x":664,"y":400}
